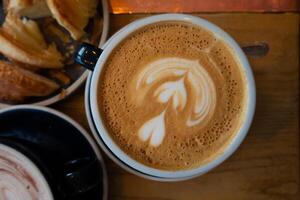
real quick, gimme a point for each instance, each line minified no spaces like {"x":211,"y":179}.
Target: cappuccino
{"x":172,"y":95}
{"x":19,"y":177}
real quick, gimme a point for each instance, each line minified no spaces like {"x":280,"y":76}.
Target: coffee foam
{"x":172,"y":95}
{"x":201,"y":96}
{"x":18,"y":178}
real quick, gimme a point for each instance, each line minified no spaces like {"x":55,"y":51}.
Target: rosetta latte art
{"x":202,"y":95}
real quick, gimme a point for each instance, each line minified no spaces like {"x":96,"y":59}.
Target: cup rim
{"x":235,"y":141}
{"x":76,"y":125}
{"x":30,"y":164}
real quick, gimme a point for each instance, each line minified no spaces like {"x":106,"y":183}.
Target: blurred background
{"x":188,"y":6}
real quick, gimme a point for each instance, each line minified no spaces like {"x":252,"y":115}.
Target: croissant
{"x":73,"y":15}
{"x":17,"y":83}
{"x":28,"y":8}
{"x":21,"y":40}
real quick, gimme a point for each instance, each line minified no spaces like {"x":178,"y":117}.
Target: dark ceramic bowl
{"x":60,"y":147}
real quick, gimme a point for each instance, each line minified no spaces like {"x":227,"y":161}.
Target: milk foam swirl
{"x":168,"y":78}
{"x":19,"y":180}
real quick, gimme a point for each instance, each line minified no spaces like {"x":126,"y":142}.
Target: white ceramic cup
{"x":102,"y":135}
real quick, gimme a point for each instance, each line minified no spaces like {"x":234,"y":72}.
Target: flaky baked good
{"x":73,"y":15}
{"x":17,"y":83}
{"x":28,"y":8}
{"x":21,"y":40}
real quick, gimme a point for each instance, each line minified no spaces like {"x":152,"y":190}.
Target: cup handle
{"x":87,"y":55}
{"x":81,"y":175}
{"x":258,"y":49}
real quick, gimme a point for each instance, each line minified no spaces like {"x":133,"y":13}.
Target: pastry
{"x":17,"y":83}
{"x":73,"y":15}
{"x":59,"y":76}
{"x":21,"y":40}
{"x":28,"y":8}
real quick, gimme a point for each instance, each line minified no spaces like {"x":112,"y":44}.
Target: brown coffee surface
{"x":172,"y":95}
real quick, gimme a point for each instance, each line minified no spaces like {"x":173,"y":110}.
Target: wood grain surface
{"x":266,"y":166}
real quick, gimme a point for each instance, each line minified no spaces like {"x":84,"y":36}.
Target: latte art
{"x":174,"y":94}
{"x":19,"y":180}
{"x":154,"y":129}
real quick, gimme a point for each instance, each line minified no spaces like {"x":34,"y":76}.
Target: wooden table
{"x":266,"y":166}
